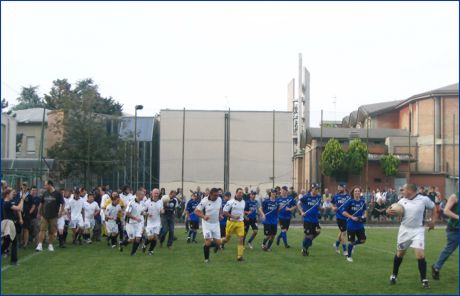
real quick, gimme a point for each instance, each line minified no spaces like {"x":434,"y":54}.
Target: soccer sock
{"x":135,"y":246}
{"x":65,"y":235}
{"x":240,"y":250}
{"x":190,"y":233}
{"x":194,"y":235}
{"x":252,"y":238}
{"x":270,"y":242}
{"x":422,"y":268}
{"x":396,"y":263}
{"x":153,"y":243}
{"x":114,"y":240}
{"x":350,"y":248}
{"x":307,"y":243}
{"x":278,"y":237}
{"x":265,"y":241}
{"x":337,"y":243}
{"x":206,"y":252}
{"x":284,"y":237}
{"x":344,"y":247}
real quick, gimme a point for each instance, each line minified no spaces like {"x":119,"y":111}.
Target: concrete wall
{"x":251,"y":149}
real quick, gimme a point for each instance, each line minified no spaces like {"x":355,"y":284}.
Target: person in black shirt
{"x":51,"y":205}
{"x":167,"y":220}
{"x":26,"y":217}
{"x":34,"y":223}
{"x":11,"y":213}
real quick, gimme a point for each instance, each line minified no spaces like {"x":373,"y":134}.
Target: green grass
{"x":97,"y":269}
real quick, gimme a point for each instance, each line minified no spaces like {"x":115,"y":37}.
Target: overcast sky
{"x":238,"y":55}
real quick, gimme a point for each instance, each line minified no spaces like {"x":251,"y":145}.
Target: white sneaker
{"x":39,"y":247}
{"x":50,"y":248}
{"x":250,"y":246}
{"x":349,"y":259}
{"x":345,"y":253}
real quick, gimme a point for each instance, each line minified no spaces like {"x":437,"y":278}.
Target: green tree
{"x":389,"y":164}
{"x":28,"y":98}
{"x":87,"y":148}
{"x":332,"y":159}
{"x":356,"y":157}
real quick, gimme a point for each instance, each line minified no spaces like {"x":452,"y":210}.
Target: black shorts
{"x":342,"y":225}
{"x":252,"y":223}
{"x":311,"y":228}
{"x":194,"y":225}
{"x":270,"y":229}
{"x":284,"y":223}
{"x":222,"y":230}
{"x":360,"y":234}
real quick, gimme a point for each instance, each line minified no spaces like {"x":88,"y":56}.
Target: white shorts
{"x":89,"y":223}
{"x":153,"y":230}
{"x":411,"y":237}
{"x":211,"y":230}
{"x":112,"y":226}
{"x":77,"y":222}
{"x":102,"y":217}
{"x":134,"y":230}
{"x":61,"y":223}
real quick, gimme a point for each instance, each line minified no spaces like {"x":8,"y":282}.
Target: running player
{"x":287,"y":205}
{"x":76,"y":217}
{"x":234,"y":211}
{"x":91,"y":209}
{"x":153,"y":209}
{"x":209,"y":210}
{"x":64,"y":219}
{"x":338,"y":201}
{"x":192,"y":218}
{"x":111,"y":215}
{"x":135,"y":225}
{"x":355,"y":210}
{"x":412,"y":232}
{"x":251,"y":210}
{"x":269,"y":215}
{"x":309,"y":206}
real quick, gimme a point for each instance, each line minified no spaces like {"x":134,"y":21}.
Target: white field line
{"x":27,"y":258}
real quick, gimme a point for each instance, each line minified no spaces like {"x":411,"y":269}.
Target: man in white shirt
{"x":76,"y":217}
{"x":91,"y":209}
{"x":412,"y":232}
{"x":110,"y":217}
{"x":234,"y":211}
{"x":153,"y":210}
{"x":209,"y":210}
{"x":135,"y":223}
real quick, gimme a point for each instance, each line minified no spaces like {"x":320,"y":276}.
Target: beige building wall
{"x":31,"y":138}
{"x":251,"y":149}
{"x":9,"y":126}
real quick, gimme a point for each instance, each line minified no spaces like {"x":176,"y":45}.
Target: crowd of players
{"x":143,"y":218}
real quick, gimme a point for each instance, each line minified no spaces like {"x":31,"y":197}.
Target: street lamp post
{"x":135,"y":160}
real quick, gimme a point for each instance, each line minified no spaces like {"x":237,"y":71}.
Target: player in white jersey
{"x":153,"y":209}
{"x":126,"y":195}
{"x":111,"y":214}
{"x":76,"y":217}
{"x":91,"y":209}
{"x":210,"y":210}
{"x":63,"y":220}
{"x":104,"y":199}
{"x":412,"y":232}
{"x":135,"y":221}
{"x":83,"y":194}
{"x":234,"y":211}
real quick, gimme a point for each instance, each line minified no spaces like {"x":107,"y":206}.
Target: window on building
{"x":30,"y":145}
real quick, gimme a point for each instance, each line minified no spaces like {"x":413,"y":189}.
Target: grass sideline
{"x":97,"y":269}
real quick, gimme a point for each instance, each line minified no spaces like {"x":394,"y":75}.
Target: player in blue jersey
{"x":269,"y":214}
{"x":309,"y":206}
{"x":287,"y":205}
{"x":194,"y":221}
{"x":338,"y":201}
{"x":355,"y":211}
{"x":251,"y":209}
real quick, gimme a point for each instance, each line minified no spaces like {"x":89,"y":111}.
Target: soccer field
{"x":98,"y":269}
